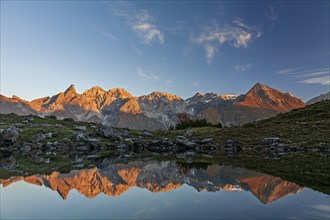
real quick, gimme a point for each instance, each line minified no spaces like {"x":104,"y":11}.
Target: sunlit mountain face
{"x":157,"y":110}
{"x":116,"y":179}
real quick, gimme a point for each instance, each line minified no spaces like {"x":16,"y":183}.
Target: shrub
{"x":195,"y":124}
{"x":51,"y":117}
{"x":68,"y":119}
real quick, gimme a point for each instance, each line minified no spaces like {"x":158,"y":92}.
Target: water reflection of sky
{"x":25,"y":201}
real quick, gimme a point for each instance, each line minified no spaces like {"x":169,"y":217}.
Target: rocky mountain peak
{"x":70,"y":90}
{"x":119,"y":93}
{"x":264,"y":97}
{"x":95,"y":90}
{"x":157,"y":95}
{"x":260,"y":87}
{"x":16,"y":98}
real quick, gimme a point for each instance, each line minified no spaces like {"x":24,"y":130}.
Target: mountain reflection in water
{"x":116,"y":179}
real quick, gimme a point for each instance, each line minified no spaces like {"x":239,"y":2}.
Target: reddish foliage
{"x":183,"y":117}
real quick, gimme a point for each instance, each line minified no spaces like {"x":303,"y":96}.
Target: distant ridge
{"x":157,"y":110}
{"x":325,"y":96}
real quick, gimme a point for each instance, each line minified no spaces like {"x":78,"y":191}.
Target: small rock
{"x":121,"y":146}
{"x":206,"y":141}
{"x":38,"y":138}
{"x":48,"y":135}
{"x":93,"y":156}
{"x":271,"y":140}
{"x":129,"y":140}
{"x":189,"y":154}
{"x":189,"y":144}
{"x":58,"y":126}
{"x":188,"y":133}
{"x":18,"y":125}
{"x":82,"y":148}
{"x":181,"y":139}
{"x":79,"y":128}
{"x":78,"y":166}
{"x":81,"y":137}
{"x":93,"y":140}
{"x":146,"y":134}
{"x":26,"y":149}
{"x":66,"y":139}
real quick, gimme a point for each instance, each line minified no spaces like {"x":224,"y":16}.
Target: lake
{"x":159,"y":190}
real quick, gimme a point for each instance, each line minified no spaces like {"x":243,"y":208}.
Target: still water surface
{"x":159,"y":190}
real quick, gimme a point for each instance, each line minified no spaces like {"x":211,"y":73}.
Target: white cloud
{"x":147,"y":75}
{"x":239,"y":35}
{"x":148,"y":32}
{"x":140,"y":21}
{"x":308,"y":76}
{"x":323,"y":80}
{"x":243,"y":67}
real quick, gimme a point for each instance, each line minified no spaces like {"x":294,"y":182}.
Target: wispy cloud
{"x":271,"y":15}
{"x":308,"y":76}
{"x":243,"y":67}
{"x":108,"y":35}
{"x":237,"y":34}
{"x":141,"y":22}
{"x":323,"y":80}
{"x":136,"y":50}
{"x":147,"y":75}
{"x":286,"y":71}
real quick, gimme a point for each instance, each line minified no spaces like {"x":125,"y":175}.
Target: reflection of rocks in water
{"x":115,"y":179}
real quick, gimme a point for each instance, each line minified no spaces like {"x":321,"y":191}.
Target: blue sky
{"x":177,"y":47}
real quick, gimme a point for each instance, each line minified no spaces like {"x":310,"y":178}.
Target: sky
{"x":180,"y":47}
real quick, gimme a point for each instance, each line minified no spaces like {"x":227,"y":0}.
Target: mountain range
{"x":157,"y":110}
{"x":155,"y":176}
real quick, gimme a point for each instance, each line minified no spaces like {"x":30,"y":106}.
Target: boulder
{"x":180,"y":139}
{"x":38,"y":138}
{"x":10,"y":135}
{"x":107,"y":132}
{"x":233,"y":146}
